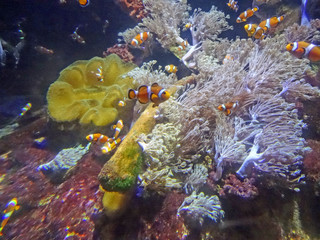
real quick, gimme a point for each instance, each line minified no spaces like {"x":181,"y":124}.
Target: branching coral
{"x":208,"y":25}
{"x":146,"y":75}
{"x":197,"y":207}
{"x":296,"y":33}
{"x":196,"y":179}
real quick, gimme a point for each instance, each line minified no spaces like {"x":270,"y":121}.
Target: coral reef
{"x":234,"y":186}
{"x":64,"y":161}
{"x":311,"y":161}
{"x":135,"y":8}
{"x":197,"y":207}
{"x":166,"y":224}
{"x":120,"y":173}
{"x":90,"y":91}
{"x":122,"y":50}
{"x":47,"y":211}
{"x":296,"y":33}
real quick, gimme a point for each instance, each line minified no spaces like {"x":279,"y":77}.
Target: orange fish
{"x":109,"y":146}
{"x":250,"y":29}
{"x":226,"y":108}
{"x":233,"y":5}
{"x":265,"y":25}
{"x":246,"y":14}
{"x":144,"y":94}
{"x":118,"y":127}
{"x":10,"y":208}
{"x":140,"y":38}
{"x":98,"y":137}
{"x":43,"y":50}
{"x":25,"y":109}
{"x":171,"y":68}
{"x":227,"y":58}
{"x":304,"y":49}
{"x":183,"y":45}
{"x":84,"y":3}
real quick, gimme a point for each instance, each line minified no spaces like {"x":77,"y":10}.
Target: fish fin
{"x":153,"y":97}
{"x":155,"y":85}
{"x":227,"y":112}
{"x":300,"y":50}
{"x":132,"y":94}
{"x":17,"y":207}
{"x":142,"y":87}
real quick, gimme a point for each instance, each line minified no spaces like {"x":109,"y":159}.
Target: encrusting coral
{"x":90,"y":91}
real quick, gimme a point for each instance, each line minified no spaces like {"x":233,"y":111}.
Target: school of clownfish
{"x":260,"y":31}
{"x":108,"y":144}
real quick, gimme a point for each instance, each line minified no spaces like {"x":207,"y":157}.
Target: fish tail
{"x":132,"y":94}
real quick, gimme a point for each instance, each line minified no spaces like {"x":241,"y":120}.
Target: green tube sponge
{"x":90,"y":91}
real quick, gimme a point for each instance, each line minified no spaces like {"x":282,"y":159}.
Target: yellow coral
{"x":79,"y":93}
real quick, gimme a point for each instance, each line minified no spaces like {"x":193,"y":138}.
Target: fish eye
{"x":164,"y":93}
{"x":291,"y":44}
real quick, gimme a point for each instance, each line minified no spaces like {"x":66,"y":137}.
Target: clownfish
{"x":265,"y":25}
{"x":140,"y":38}
{"x":25,"y":109}
{"x":98,"y":137}
{"x":109,"y":146}
{"x":226,"y":108}
{"x":250,"y":29}
{"x":171,"y":68}
{"x":118,"y":127}
{"x":304,"y":49}
{"x":99,"y":74}
{"x":188,"y":25}
{"x":121,"y":103}
{"x":84,"y":3}
{"x":10,"y":208}
{"x":233,"y":5}
{"x":246,"y":14}
{"x":183,"y":45}
{"x":144,"y":94}
{"x":227,"y":58}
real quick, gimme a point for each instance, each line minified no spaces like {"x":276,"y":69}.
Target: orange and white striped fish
{"x":118,"y":127}
{"x":183,"y":45}
{"x":246,"y":14}
{"x":25,"y":109}
{"x":153,"y":93}
{"x":84,"y":3}
{"x":233,"y":5}
{"x":98,"y":137}
{"x":250,"y":29}
{"x":227,"y":58}
{"x":171,"y":68}
{"x":109,"y":146}
{"x":140,"y":38}
{"x":10,"y":208}
{"x":304,"y":49}
{"x":122,"y":103}
{"x":226,"y":108}
{"x":266,"y":25}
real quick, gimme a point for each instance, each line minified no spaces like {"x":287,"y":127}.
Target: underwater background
{"x":160,"y":119}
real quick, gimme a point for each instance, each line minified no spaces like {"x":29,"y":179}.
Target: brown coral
{"x":135,"y":8}
{"x":122,"y":50}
